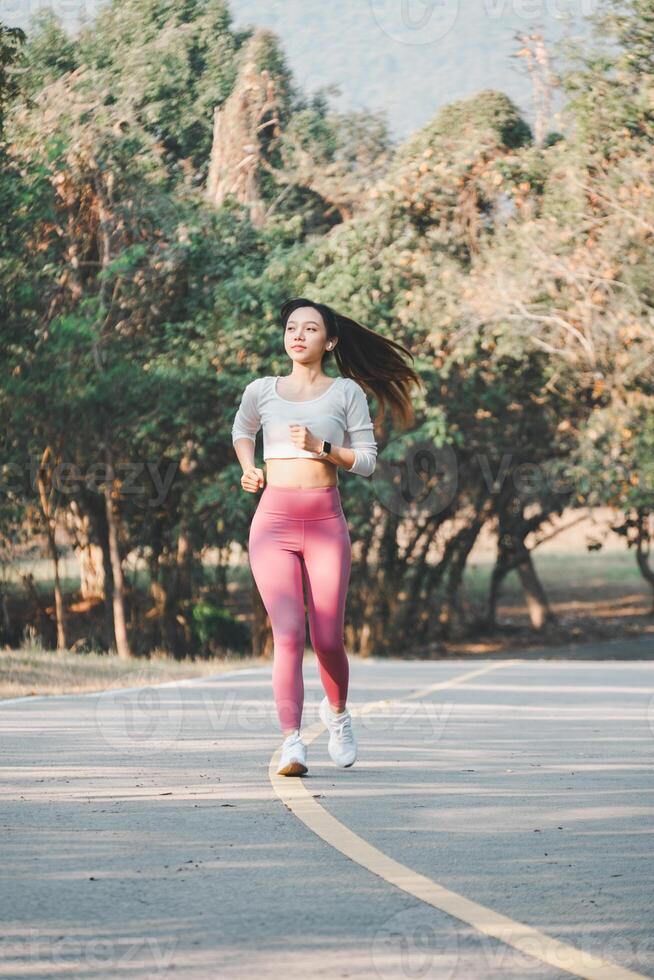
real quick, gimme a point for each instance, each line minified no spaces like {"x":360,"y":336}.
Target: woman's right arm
{"x":244,"y":450}
{"x":247,"y":423}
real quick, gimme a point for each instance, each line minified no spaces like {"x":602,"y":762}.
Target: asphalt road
{"x":498,"y":823}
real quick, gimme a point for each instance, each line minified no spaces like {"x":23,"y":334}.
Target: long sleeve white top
{"x":340,"y":415}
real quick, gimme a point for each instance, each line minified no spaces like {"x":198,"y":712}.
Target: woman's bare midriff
{"x":302,"y":473}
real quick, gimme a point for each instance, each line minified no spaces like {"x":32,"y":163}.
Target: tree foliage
{"x":135,"y":307}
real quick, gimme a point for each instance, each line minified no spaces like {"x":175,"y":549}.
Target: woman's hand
{"x":304,"y":439}
{"x":252,"y":479}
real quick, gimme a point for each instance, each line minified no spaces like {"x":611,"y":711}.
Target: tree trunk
{"x":118,"y":583}
{"x":538,"y":607}
{"x":643,"y":550}
{"x":6,"y":618}
{"x":58,"y":596}
{"x":537,"y":603}
{"x":88,"y":553}
{"x":49,"y":516}
{"x":91,"y":563}
{"x":40,"y":613}
{"x":512,"y":552}
{"x":108,"y":587}
{"x":183,"y":592}
{"x":238,"y":125}
{"x":183,"y":565}
{"x":497,"y":577}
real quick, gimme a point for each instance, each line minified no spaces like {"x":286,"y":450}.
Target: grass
{"x":31,"y":671}
{"x":561,"y":573}
{"x":595,"y":595}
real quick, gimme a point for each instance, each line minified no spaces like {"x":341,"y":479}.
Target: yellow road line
{"x":564,"y":956}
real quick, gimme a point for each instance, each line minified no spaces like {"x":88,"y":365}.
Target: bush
{"x":216,"y":630}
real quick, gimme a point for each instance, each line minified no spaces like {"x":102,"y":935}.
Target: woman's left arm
{"x":360,"y":432}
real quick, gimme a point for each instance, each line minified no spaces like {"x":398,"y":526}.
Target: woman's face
{"x":305,"y":336}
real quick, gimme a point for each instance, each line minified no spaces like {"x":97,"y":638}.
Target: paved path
{"x":498,"y":824}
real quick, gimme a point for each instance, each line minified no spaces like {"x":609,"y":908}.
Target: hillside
{"x":407,"y":69}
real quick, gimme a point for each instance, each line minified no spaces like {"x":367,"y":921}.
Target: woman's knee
{"x":328,"y":645}
{"x":289,"y":640}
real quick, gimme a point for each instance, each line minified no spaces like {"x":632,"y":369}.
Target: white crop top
{"x":340,"y":415}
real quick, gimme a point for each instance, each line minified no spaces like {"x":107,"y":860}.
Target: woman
{"x":312,"y":424}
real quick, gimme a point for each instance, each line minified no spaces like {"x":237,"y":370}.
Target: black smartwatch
{"x":326,"y":448}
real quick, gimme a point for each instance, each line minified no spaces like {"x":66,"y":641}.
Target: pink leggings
{"x":293,"y":528}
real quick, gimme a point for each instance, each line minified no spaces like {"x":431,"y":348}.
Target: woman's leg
{"x":274,"y":552}
{"x":327,"y":558}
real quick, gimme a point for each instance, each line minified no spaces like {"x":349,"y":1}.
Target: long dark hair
{"x":378,"y":364}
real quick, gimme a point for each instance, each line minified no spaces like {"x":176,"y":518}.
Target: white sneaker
{"x":293,"y":760}
{"x":342,"y":745}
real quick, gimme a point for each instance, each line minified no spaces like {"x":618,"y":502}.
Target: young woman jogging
{"x":312,"y":425}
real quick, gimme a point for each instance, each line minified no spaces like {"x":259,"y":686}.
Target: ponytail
{"x":378,"y":364}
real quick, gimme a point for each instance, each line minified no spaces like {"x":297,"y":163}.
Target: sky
{"x":406,"y":58}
